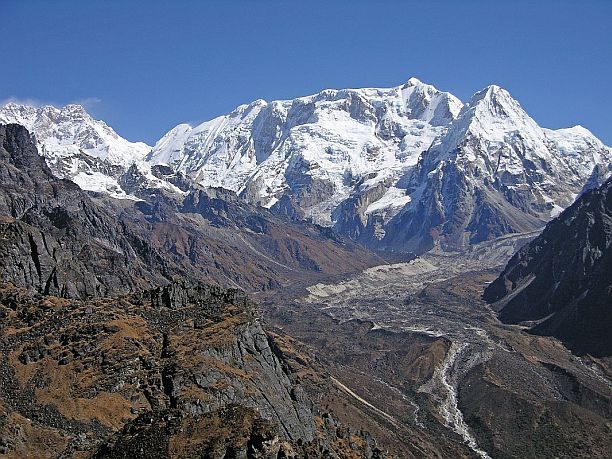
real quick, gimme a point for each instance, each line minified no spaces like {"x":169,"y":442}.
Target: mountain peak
{"x":413,"y":81}
{"x":30,"y":114}
{"x":494,"y":89}
{"x":494,"y":109}
{"x":75,"y":109}
{"x":12,"y":105}
{"x":68,"y":132}
{"x":495,"y":120}
{"x":15,"y":112}
{"x":426,"y":102}
{"x":495,"y":98}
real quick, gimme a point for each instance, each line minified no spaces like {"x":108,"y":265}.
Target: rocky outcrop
{"x":170,"y":372}
{"x":351,"y":215}
{"x":56,"y":239}
{"x":560,"y":283}
{"x":234,"y":431}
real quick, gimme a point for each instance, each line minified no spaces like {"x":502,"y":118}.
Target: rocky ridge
{"x":98,"y":361}
{"x":560,"y":283}
{"x":177,"y":371}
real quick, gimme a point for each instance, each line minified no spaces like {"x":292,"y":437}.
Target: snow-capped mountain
{"x":76,"y":146}
{"x":402,"y":168}
{"x":316,"y":149}
{"x":493,"y":172}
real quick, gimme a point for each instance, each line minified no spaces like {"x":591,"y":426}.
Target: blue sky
{"x":145,"y":66}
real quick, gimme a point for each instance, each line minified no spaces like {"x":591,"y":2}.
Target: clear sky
{"x":145,"y":66}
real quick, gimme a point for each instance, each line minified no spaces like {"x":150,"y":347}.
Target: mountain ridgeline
{"x":403,"y":169}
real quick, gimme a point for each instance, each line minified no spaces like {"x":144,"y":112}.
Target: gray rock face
{"x":268,"y":390}
{"x":560,"y":283}
{"x":350,"y":215}
{"x":57,"y":240}
{"x":243,"y":369}
{"x":453,"y":209}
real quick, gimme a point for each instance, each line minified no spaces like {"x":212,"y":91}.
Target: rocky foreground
{"x":179,"y":371}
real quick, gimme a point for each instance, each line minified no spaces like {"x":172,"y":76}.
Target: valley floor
{"x":422,"y":362}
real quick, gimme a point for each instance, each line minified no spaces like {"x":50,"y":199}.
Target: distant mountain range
{"x":408,"y":168}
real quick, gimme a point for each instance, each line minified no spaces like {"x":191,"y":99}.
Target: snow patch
{"x":101,"y":183}
{"x":394,"y":198}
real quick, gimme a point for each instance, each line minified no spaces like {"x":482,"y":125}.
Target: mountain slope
{"x":59,"y":239}
{"x":180,"y":371}
{"x":560,"y":283}
{"x":56,"y":238}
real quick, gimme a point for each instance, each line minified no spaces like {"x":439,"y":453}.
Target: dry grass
{"x":213,"y":335}
{"x":32,"y":441}
{"x":10,"y":331}
{"x":203,"y":363}
{"x":194,"y":393}
{"x":22,"y":372}
{"x":111,"y":410}
{"x":133,"y":330}
{"x":423,"y":366}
